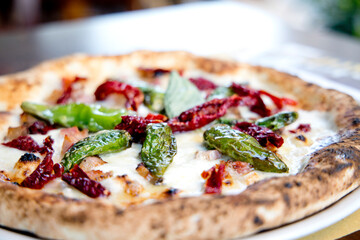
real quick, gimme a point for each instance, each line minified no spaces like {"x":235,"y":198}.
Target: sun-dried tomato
{"x":262,"y":134}
{"x":47,"y":145}
{"x":133,"y":95}
{"x":44,"y":173}
{"x":203,"y":84}
{"x":136,"y":125}
{"x":159,"y":117}
{"x":259,"y":106}
{"x":58,"y":170}
{"x":40,"y":127}
{"x":27,"y":143}
{"x":214,"y":178}
{"x":68,"y":88}
{"x":80,"y":180}
{"x":302,"y":128}
{"x":279,"y":102}
{"x":203,"y":114}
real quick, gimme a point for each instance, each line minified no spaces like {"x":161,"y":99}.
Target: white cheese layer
{"x":184,"y":173}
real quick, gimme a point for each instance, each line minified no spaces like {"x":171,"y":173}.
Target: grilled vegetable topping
{"x":154,"y":98}
{"x":278,"y":120}
{"x":159,"y":149}
{"x":221,"y":92}
{"x":273,"y":122}
{"x":243,"y":147}
{"x":227,"y":121}
{"x":103,"y":142}
{"x":92,"y":117}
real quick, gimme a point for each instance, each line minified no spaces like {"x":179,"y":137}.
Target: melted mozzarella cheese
{"x":184,"y":173}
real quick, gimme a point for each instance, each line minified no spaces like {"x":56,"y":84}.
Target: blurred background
{"x":337,"y":15}
{"x":317,"y":36}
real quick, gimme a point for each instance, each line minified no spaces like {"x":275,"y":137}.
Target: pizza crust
{"x":331,"y":173}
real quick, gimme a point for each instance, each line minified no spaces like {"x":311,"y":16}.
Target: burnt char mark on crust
{"x":343,"y":153}
{"x":355,"y":122}
{"x":286,"y":199}
{"x":119,"y":212}
{"x":301,"y":137}
{"x":337,"y":168}
{"x":353,"y":116}
{"x":258,"y":221}
{"x":171,"y":192}
{"x":75,"y":218}
{"x":28,"y":157}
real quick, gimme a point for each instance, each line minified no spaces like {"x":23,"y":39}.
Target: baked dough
{"x":332,"y":172}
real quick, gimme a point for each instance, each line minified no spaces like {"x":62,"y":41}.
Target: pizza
{"x":168,"y":145}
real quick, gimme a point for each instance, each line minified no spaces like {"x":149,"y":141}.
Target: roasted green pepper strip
{"x":159,"y":149}
{"x":92,"y":117}
{"x":243,"y":147}
{"x":102,"y":142}
{"x":227,"y":121}
{"x":273,"y":122}
{"x":278,"y":120}
{"x":154,"y":98}
{"x":221,"y":92}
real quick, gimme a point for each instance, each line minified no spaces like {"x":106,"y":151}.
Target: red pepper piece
{"x":159,"y":117}
{"x":262,"y":134}
{"x":215,"y":177}
{"x":27,"y":143}
{"x":258,"y":105}
{"x":204,"y":114}
{"x":279,"y":102}
{"x":44,"y":173}
{"x":302,"y":128}
{"x":136,"y":125}
{"x":40,"y":127}
{"x":81,"y":181}
{"x":68,"y":88}
{"x":203,"y":84}
{"x":133,"y":95}
{"x":47,"y":147}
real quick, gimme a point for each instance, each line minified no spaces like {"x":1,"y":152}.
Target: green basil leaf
{"x":181,"y":95}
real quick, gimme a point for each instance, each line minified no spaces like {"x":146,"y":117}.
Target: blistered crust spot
{"x":216,"y":66}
